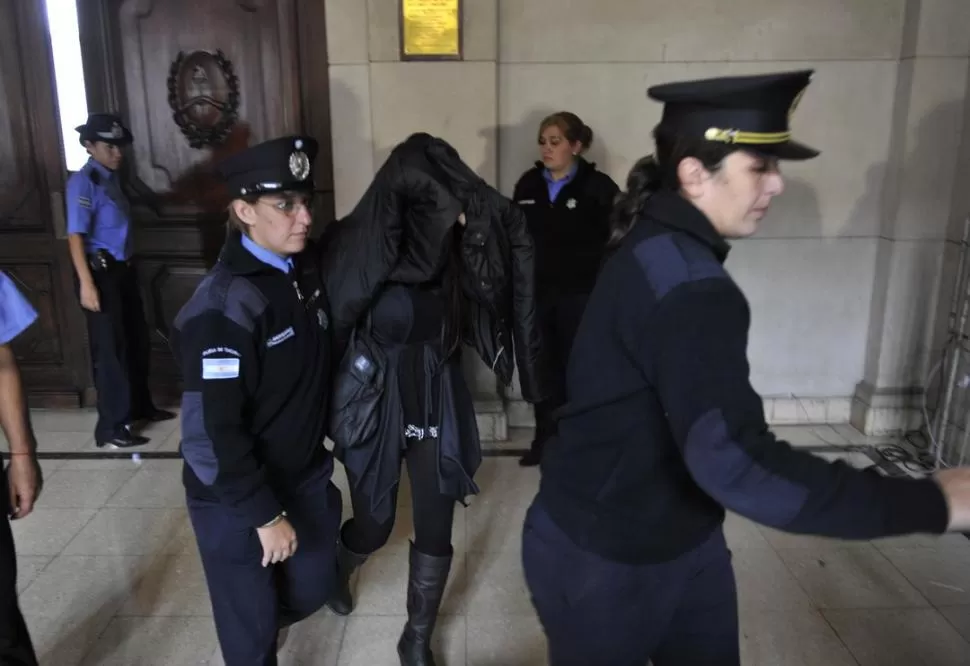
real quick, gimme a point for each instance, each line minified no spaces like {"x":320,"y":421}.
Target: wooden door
{"x":257,"y":69}
{"x":33,"y":245}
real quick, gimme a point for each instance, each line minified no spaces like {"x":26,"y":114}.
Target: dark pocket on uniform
{"x":560,"y":574}
{"x":357,"y":392}
{"x":550,"y":568}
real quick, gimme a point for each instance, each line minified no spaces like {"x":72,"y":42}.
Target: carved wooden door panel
{"x":197,"y":81}
{"x":33,"y":249}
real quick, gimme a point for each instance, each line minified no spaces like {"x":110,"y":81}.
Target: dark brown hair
{"x":233,"y":222}
{"x":571,"y":127}
{"x":657,"y":172}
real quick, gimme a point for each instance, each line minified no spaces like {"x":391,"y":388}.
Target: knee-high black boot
{"x":426,"y":585}
{"x":341,"y":601}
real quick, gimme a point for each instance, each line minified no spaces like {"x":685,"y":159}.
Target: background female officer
{"x":21,"y":484}
{"x":567,"y":204}
{"x":623,"y":548}
{"x":254,"y":347}
{"x":100,"y":238}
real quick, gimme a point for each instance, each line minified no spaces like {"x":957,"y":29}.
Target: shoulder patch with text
{"x":282,"y":336}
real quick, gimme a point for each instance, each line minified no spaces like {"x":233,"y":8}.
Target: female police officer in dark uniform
{"x":255,"y":354}
{"x":623,"y":548}
{"x":567,"y":204}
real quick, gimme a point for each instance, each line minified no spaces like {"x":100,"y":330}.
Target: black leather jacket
{"x":400,"y":231}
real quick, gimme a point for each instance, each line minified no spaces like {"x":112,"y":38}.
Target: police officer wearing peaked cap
{"x":623,"y":546}
{"x":100,"y":238}
{"x":253,"y":343}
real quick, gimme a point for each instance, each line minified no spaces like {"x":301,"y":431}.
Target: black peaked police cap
{"x":106,"y":127}
{"x":276,"y":165}
{"x":747,"y":111}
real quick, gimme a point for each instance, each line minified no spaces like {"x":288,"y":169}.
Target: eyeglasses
{"x":289,"y":206}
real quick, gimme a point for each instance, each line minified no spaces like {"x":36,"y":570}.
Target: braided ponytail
{"x":659,"y":172}
{"x":644,"y":179}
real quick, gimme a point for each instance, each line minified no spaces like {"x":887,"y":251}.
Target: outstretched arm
{"x":696,"y":355}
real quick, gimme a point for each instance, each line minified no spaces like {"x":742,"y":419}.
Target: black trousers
{"x":16,"y":648}
{"x":559,"y":317}
{"x":596,"y":611}
{"x":120,"y":350}
{"x":250,"y":602}
{"x":433,"y":512}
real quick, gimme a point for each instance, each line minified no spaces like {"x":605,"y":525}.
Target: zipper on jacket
{"x":498,"y":355}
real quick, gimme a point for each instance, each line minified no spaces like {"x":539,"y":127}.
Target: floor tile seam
{"x":838,"y":636}
{"x":66,"y":545}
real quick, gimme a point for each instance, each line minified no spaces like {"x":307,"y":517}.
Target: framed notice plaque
{"x":431,"y":29}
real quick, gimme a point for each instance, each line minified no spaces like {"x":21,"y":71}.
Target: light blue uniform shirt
{"x":266,"y":256}
{"x":555,"y":186}
{"x":16,"y":313}
{"x":97,"y":208}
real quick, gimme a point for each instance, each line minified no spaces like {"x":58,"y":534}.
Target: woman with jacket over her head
{"x":431,"y":258}
{"x":567,"y":203}
{"x":623,"y":547}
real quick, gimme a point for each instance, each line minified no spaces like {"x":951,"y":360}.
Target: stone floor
{"x":109,"y":575}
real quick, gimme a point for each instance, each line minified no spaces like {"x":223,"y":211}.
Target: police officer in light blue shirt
{"x":20,"y":486}
{"x":100,"y":237}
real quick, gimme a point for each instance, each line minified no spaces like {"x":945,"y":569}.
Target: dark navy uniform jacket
{"x":98,"y":208}
{"x":662,"y":427}
{"x":16,"y":312}
{"x":254,"y":347}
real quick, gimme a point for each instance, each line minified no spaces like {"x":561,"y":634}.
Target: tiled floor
{"x":109,"y":575}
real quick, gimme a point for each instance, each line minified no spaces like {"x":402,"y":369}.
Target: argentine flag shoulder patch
{"x":220,"y":368}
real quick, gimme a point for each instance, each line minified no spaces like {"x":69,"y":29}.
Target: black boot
{"x":426,"y":585}
{"x":341,"y":600}
{"x":545,"y":429}
{"x":533,"y":457}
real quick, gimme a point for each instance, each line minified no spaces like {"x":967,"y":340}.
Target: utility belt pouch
{"x":101,"y":261}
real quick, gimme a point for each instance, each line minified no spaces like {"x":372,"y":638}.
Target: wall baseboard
{"x":779,"y":410}
{"x":886,"y":411}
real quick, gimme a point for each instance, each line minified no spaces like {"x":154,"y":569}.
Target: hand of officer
{"x":24,"y":480}
{"x":90,"y":300}
{"x":279,"y":542}
{"x":956,"y":487}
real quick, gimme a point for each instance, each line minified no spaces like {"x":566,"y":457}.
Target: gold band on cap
{"x":750,"y":138}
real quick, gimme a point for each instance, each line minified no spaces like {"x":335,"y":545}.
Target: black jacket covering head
{"x":401,"y":231}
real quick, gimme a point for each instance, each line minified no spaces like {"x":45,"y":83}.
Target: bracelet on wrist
{"x":275,"y":521}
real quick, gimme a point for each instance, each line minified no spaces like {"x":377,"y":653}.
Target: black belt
{"x":102,"y":260}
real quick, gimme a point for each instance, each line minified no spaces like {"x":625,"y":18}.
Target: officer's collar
{"x":100,"y":168}
{"x":238,"y":259}
{"x":672,"y":210}
{"x":283,"y":264}
{"x":241,"y":261}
